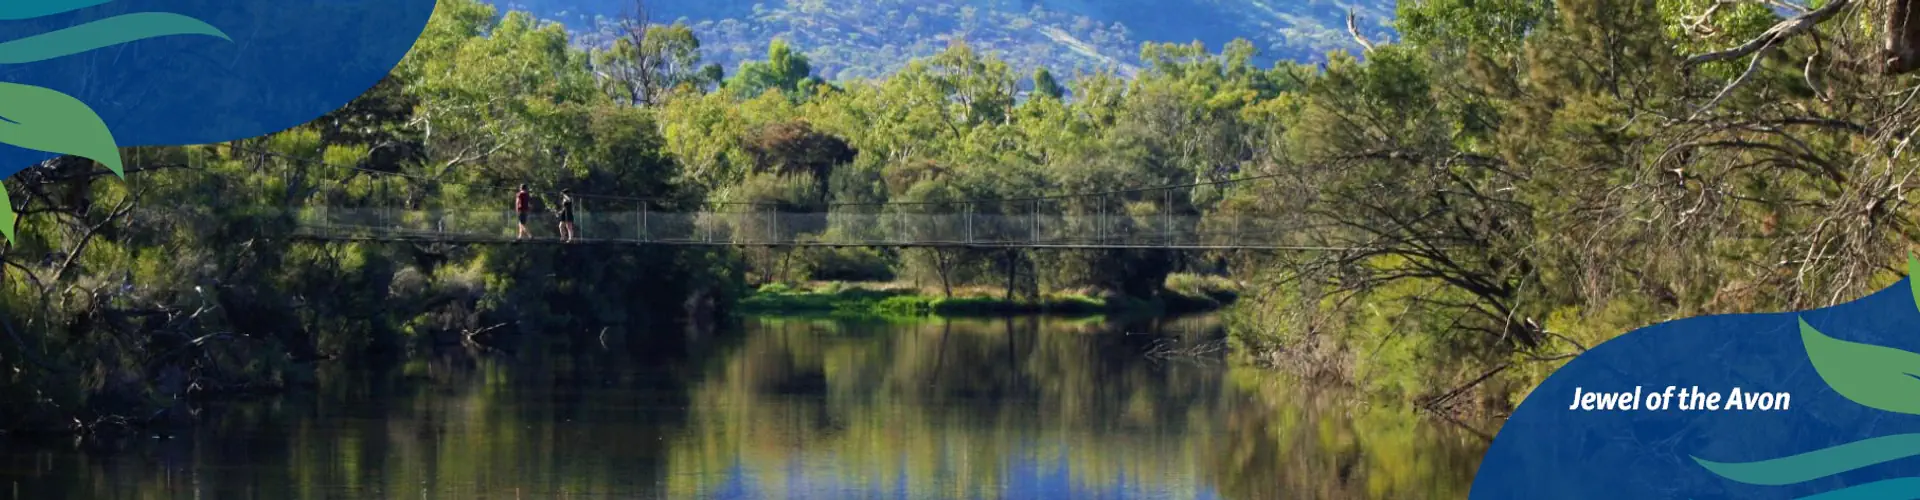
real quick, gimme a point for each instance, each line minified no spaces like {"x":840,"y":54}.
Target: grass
{"x":1194,"y":292}
{"x":1183,"y":294}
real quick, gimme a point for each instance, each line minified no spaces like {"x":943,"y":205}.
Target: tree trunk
{"x":945,"y":263}
{"x":1012,"y":265}
{"x":786,"y":261}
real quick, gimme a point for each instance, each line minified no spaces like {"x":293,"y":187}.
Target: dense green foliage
{"x":127,"y":298}
{"x":1515,"y":183}
{"x":1540,"y":178}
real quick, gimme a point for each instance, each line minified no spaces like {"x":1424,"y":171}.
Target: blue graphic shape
{"x":1547,"y":450}
{"x":176,"y":72}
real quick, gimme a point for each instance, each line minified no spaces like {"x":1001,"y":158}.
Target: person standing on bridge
{"x":566,"y":215}
{"x":523,"y":206}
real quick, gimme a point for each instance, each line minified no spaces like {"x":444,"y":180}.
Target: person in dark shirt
{"x":522,"y":206}
{"x":566,"y":215}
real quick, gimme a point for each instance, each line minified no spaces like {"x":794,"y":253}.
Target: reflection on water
{"x":787,"y":408}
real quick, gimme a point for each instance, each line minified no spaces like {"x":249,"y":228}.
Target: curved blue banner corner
{"x":176,"y":72}
{"x":1825,"y":409}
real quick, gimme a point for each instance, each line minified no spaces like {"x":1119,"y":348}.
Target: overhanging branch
{"x":1774,"y":36}
{"x":1762,"y":45}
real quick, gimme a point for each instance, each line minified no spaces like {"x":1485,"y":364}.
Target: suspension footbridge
{"x":1081,"y":221}
{"x":773,"y":228}
{"x":1159,"y":217}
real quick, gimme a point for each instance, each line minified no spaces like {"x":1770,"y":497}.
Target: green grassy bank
{"x":1184,"y":294}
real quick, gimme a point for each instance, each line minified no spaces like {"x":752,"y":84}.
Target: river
{"x":1029,"y":408}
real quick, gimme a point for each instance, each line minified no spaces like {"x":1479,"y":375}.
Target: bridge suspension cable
{"x":969,"y":227}
{"x":512,"y":187}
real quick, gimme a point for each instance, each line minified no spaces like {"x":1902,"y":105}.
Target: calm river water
{"x":788,"y":408}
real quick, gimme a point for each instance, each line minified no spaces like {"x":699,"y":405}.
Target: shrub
{"x":849,"y":264}
{"x":1076,"y":304}
{"x":1217,"y":288}
{"x":907,"y":305}
{"x":963,"y":306}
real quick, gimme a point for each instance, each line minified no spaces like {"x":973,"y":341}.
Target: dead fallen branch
{"x":473,"y":340}
{"x":1456,"y":392}
{"x":1165,"y":349}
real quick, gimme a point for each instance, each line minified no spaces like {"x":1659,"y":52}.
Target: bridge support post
{"x":1100,"y":223}
{"x":1167,"y":231}
{"x":969,"y":214}
{"x":1239,"y":230}
{"x":1033,"y":223}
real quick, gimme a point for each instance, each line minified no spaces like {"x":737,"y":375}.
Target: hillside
{"x":866,"y":38}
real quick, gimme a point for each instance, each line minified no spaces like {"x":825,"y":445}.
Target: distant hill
{"x":862,"y":38}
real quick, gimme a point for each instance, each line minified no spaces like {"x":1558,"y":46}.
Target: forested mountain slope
{"x":868,"y":38}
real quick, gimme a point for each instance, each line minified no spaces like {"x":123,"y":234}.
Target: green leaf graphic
{"x":103,"y":33}
{"x":17,"y":10}
{"x":1817,"y":464}
{"x":6,"y":208}
{"x":1913,"y":277}
{"x":46,"y":120}
{"x":1875,"y":376}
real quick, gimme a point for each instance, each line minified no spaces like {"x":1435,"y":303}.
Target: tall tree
{"x":784,"y":70}
{"x":1045,"y":85}
{"x":649,"y":61}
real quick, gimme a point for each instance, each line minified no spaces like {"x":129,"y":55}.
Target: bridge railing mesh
{"x":843,"y":229}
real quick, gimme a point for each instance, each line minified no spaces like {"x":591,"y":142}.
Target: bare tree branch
{"x":1753,"y":68}
{"x":86,"y":238}
{"x":1774,"y":36}
{"x":1353,"y":28}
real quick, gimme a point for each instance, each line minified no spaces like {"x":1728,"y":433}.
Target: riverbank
{"x":1183,"y":294}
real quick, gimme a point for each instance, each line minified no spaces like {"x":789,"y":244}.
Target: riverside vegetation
{"x":1183,"y":294}
{"x":1520,"y":180}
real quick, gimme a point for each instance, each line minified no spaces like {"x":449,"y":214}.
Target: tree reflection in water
{"x":1022,"y":408}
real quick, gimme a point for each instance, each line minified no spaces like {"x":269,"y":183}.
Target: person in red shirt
{"x":522,"y":206}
